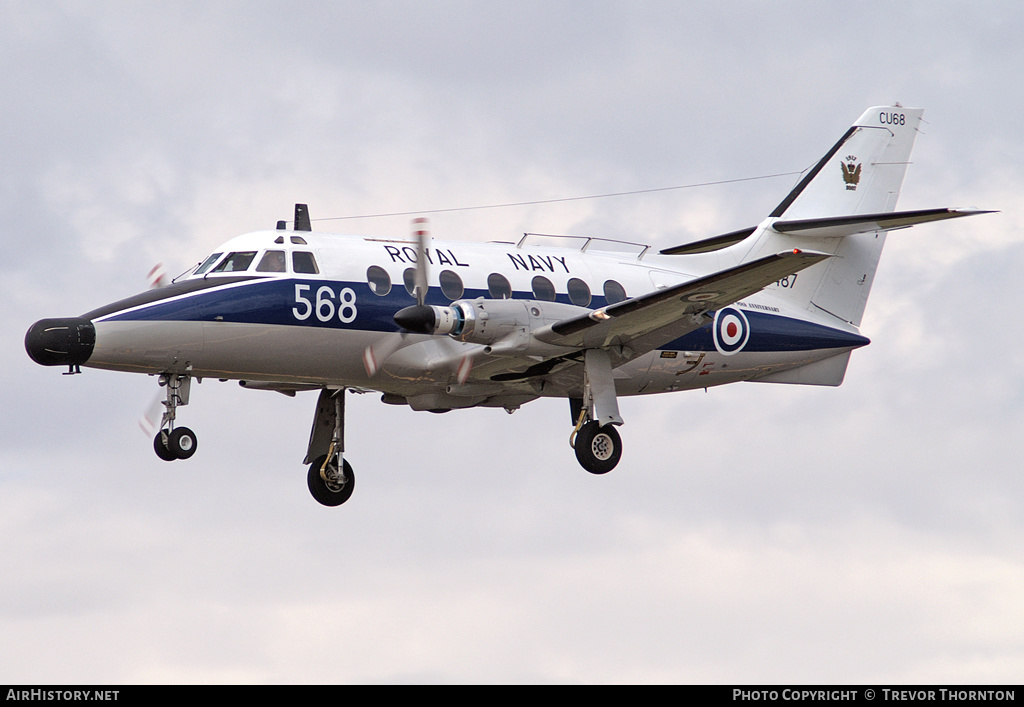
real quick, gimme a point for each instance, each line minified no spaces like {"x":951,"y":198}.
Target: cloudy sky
{"x":754,"y":533}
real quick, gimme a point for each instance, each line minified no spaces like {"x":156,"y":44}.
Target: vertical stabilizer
{"x":861,"y":174}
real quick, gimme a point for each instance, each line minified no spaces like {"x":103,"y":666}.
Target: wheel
{"x":182,"y":443}
{"x":160,"y":447}
{"x":330,"y":493}
{"x":598,"y":449}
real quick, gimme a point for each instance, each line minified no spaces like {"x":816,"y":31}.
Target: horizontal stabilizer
{"x":839,"y":226}
{"x":707,"y":245}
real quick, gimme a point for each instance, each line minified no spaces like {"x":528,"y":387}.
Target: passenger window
{"x":272,"y":261}
{"x":543,"y":289}
{"x":379,"y":280}
{"x":236,"y":262}
{"x":498,"y":287}
{"x":409,"y":278}
{"x":208,"y":263}
{"x":304,"y":263}
{"x":579,"y":292}
{"x":614,"y":292}
{"x":451,"y":284}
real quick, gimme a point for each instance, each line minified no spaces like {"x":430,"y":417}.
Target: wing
{"x":680,"y":305}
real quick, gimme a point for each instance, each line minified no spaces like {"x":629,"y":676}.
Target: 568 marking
{"x":324,"y":304}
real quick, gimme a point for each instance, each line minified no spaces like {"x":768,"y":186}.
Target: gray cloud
{"x":752,"y":533}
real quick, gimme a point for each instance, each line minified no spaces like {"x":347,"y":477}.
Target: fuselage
{"x":301,"y":308}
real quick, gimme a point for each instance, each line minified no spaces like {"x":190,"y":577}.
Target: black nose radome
{"x":61,"y":342}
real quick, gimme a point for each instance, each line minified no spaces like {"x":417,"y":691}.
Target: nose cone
{"x":61,"y":342}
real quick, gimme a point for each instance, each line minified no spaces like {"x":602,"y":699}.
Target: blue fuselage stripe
{"x":275,"y":301}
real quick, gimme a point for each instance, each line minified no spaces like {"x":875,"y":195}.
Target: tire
{"x":161,"y":449}
{"x":182,"y":443}
{"x":598,"y":449}
{"x":325,"y":494}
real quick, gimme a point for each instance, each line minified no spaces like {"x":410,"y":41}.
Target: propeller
{"x":150,"y":420}
{"x":422,"y":241}
{"x":157,"y":276}
{"x":419,"y":318}
{"x":376,"y":355}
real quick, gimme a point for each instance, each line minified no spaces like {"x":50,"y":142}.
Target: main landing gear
{"x":597,"y":444}
{"x":330,"y":478}
{"x":173,"y":442}
{"x":598,"y":449}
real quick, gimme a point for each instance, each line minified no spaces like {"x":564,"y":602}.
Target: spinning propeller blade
{"x":157,"y":276}
{"x":422,"y":235}
{"x":376,"y":355}
{"x":149,"y":421}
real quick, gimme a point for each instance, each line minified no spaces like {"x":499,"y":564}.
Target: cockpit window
{"x":304,"y":263}
{"x":272,"y":261}
{"x":236,"y":262}
{"x":208,"y":263}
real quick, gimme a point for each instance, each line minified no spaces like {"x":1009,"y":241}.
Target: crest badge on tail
{"x":851,"y":172}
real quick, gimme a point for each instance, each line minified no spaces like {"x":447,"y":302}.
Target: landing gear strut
{"x":597,"y":444}
{"x":330,"y":478}
{"x":173,"y":442}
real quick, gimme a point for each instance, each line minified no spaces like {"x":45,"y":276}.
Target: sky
{"x":752,"y":533}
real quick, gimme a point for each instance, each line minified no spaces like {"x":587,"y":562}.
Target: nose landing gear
{"x":330,"y":483}
{"x":173,"y":442}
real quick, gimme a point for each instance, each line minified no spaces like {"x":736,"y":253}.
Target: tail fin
{"x":861,"y":175}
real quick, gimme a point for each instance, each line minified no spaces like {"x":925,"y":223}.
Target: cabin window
{"x":272,"y":261}
{"x":543,"y":289}
{"x":409,"y":278}
{"x":304,"y":263}
{"x":579,"y":292}
{"x":208,"y":263}
{"x":451,"y":284}
{"x":614,"y":292}
{"x":379,"y":280}
{"x":498,"y":287}
{"x":236,"y":262}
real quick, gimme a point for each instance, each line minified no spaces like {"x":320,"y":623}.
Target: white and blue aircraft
{"x":444,"y":325}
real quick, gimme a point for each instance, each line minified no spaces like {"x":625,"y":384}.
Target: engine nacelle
{"x":485,"y":321}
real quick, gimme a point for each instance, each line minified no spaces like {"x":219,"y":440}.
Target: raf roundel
{"x":731,"y":330}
